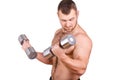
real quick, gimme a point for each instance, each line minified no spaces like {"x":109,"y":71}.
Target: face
{"x":68,"y":22}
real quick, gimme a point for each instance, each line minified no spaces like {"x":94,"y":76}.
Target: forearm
{"x":75,"y":65}
{"x":43,"y":59}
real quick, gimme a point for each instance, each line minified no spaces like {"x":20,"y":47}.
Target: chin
{"x":67,"y":31}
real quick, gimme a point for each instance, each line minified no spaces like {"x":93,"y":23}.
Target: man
{"x":70,"y":63}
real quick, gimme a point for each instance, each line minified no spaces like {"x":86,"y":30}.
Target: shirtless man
{"x":70,"y":63}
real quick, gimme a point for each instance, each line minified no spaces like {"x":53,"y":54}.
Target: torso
{"x":59,"y":70}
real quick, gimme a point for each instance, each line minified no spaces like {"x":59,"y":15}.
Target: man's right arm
{"x":40,"y":56}
{"x":43,"y":59}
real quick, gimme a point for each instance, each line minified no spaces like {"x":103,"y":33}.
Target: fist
{"x":57,"y":50}
{"x":25,"y":44}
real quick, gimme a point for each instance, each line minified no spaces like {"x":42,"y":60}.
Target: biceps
{"x":82,"y":54}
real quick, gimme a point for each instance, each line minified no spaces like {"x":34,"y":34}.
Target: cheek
{"x":62,"y":23}
{"x":74,"y":23}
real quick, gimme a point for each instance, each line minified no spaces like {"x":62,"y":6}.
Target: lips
{"x":68,"y":29}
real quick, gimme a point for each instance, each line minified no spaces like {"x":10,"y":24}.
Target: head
{"x":68,"y":15}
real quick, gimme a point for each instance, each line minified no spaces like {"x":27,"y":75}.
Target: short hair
{"x":66,"y":5}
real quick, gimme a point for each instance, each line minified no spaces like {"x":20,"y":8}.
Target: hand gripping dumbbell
{"x":30,"y":51}
{"x":65,"y":42}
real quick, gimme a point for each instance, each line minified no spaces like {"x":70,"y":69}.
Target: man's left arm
{"x":81,"y":53}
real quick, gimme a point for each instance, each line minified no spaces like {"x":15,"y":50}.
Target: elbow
{"x":80,"y":71}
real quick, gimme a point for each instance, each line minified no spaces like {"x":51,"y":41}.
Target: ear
{"x":77,"y":13}
{"x":58,"y":14}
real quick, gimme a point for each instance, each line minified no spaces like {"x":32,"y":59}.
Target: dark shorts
{"x":51,"y":78}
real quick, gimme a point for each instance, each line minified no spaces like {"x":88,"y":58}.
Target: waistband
{"x":51,"y":78}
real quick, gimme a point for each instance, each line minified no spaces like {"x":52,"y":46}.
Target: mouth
{"x":66,"y":30}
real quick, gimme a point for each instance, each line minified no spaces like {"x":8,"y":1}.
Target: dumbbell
{"x":65,"y":42}
{"x":30,"y":51}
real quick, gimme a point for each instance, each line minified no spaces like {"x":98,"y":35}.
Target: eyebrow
{"x":68,"y":19}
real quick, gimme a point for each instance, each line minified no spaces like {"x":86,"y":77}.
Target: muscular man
{"x":70,"y":63}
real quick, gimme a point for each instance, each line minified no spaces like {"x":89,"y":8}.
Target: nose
{"x":68,"y":24}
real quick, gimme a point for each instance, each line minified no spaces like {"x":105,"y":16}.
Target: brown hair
{"x":66,"y":5}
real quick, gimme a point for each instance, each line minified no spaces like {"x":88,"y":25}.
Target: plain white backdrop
{"x":38,"y":20}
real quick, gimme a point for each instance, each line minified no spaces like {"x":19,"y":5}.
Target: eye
{"x":63,"y":20}
{"x":71,"y":19}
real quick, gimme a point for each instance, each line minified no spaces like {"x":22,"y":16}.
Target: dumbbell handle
{"x":30,"y":51}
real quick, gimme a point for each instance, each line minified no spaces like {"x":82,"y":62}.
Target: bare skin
{"x":70,"y":63}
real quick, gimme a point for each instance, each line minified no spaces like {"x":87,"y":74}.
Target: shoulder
{"x":82,"y":39}
{"x":56,"y":36}
{"x":58,"y":31}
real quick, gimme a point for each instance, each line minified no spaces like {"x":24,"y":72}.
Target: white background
{"x":38,"y":20}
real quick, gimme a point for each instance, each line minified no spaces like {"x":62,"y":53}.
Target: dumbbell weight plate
{"x":21,"y":38}
{"x":67,"y":41}
{"x":31,"y":53}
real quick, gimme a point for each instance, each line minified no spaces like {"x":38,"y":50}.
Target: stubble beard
{"x":69,"y":30}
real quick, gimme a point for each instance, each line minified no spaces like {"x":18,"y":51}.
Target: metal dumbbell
{"x":65,"y":42}
{"x":30,"y":51}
